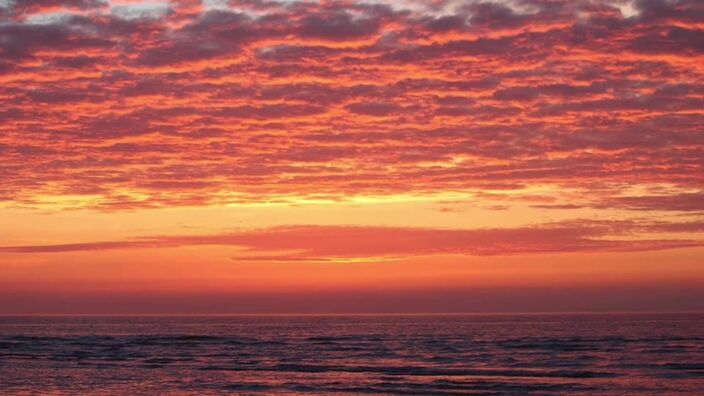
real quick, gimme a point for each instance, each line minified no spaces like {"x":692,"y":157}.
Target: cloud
{"x":445,"y":23}
{"x":686,"y":202}
{"x":292,"y":99}
{"x":74,"y":247}
{"x":335,"y":243}
{"x":339,"y":25}
{"x":24,"y":8}
{"x":374,"y":109}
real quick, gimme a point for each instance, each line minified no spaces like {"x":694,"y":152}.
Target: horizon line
{"x":472,"y":313}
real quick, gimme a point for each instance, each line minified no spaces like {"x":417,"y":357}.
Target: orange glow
{"x":261,"y":148}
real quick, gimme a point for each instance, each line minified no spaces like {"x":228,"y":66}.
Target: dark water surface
{"x":415,"y":355}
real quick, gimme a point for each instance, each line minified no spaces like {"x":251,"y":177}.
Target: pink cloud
{"x":324,"y":243}
{"x":536,"y":97}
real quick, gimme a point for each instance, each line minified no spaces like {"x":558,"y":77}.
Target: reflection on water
{"x":419,"y":355}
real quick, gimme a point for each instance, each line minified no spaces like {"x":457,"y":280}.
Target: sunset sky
{"x":242,"y":156}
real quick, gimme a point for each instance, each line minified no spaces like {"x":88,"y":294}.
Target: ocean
{"x":609,"y":354}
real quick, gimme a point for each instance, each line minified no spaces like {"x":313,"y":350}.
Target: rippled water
{"x":423,"y":355}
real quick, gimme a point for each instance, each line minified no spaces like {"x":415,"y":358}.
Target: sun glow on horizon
{"x":246,"y":150}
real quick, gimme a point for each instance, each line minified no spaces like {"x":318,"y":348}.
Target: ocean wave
{"x":423,"y":356}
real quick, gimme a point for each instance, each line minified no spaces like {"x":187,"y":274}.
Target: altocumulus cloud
{"x":256,"y":99}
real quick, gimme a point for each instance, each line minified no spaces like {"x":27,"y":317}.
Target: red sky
{"x":351,"y":156}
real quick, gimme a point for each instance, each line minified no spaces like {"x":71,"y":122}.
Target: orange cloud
{"x":269,"y":100}
{"x":328,"y":243}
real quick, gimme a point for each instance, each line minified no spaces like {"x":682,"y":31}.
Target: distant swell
{"x":367,"y":355}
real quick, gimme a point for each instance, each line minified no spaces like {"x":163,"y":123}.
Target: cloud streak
{"x":369,"y":243}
